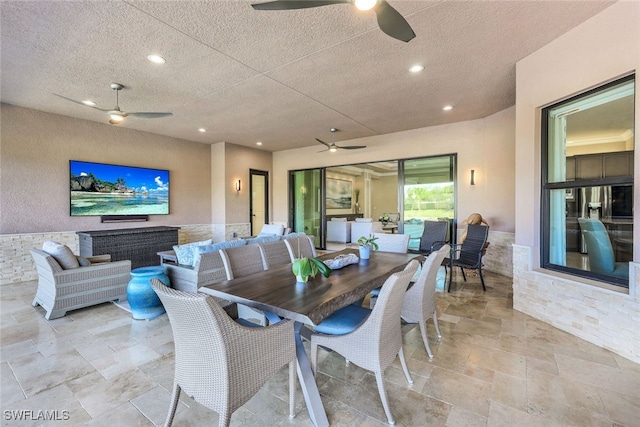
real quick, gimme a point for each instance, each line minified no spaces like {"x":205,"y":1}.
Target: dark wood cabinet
{"x":140,"y":245}
{"x":601,"y":165}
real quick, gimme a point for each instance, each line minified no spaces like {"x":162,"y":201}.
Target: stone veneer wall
{"x":499,"y":253}
{"x":607,"y":318}
{"x":16,"y":263}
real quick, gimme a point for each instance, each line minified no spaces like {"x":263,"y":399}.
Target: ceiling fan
{"x":116,"y":115}
{"x":389,"y":20}
{"x":333,"y":147}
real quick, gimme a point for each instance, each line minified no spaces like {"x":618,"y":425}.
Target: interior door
{"x":259,"y":204}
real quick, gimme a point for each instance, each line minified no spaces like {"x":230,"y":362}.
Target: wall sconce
{"x":472,"y":181}
{"x":238,"y":185}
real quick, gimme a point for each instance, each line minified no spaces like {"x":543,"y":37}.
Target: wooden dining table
{"x":276,"y":290}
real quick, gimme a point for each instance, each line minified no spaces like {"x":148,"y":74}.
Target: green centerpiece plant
{"x":366,"y":244}
{"x":304,"y":268}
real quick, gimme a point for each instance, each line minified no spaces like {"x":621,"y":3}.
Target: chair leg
{"x":481,"y":278}
{"x":383,"y":397}
{"x":175,"y":397}
{"x":463,"y":275}
{"x":435,"y":322}
{"x":292,"y":389}
{"x":224,"y":418}
{"x":423,"y":332}
{"x":403,"y":362}
{"x":314,"y":357}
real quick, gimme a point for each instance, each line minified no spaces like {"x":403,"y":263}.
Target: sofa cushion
{"x":294,"y":235}
{"x":263,"y":238}
{"x":84,"y":262}
{"x":217,"y":246}
{"x":185,"y":253}
{"x":62,"y":254}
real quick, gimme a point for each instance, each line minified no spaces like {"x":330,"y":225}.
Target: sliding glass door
{"x":428,"y":188}
{"x":403,"y":192}
{"x":307,"y":203}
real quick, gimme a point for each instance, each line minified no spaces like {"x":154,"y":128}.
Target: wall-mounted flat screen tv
{"x":100,"y":189}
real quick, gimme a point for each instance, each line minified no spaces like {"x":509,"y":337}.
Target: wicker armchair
{"x":60,"y":291}
{"x":374,"y":343}
{"x":419,"y":303}
{"x":219,"y":363}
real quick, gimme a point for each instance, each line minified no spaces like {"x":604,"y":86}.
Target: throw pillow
{"x":185,"y":253}
{"x":294,"y":235}
{"x":84,"y":262}
{"x":62,"y":254}
{"x":364,"y":219}
{"x":339,"y":219}
{"x":203,"y":249}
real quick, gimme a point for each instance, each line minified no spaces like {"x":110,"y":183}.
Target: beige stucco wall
{"x":601,"y":49}
{"x":35,"y":150}
{"x":486,"y":145}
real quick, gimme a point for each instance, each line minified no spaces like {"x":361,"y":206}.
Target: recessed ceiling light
{"x":156,"y":59}
{"x":203,"y":130}
{"x":258,"y":143}
{"x":416,"y":68}
{"x":89,"y":103}
{"x":447,"y":108}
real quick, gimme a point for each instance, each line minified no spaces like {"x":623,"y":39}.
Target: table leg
{"x":308,"y":383}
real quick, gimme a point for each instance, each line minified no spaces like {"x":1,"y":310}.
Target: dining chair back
{"x":374,"y":343}
{"x":301,"y":247}
{"x":275,"y":253}
{"x":419,"y":303}
{"x":219,"y":363}
{"x":398,"y":243}
{"x":470,"y":252}
{"x":242,"y":261}
{"x":434,"y":235}
{"x":602,"y":258}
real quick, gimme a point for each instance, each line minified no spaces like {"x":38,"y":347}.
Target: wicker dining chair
{"x":242,"y":261}
{"x":219,"y":363}
{"x":275,"y":253}
{"x":301,"y":247}
{"x":371,"y":342}
{"x":419,"y":304}
{"x":398,"y":243}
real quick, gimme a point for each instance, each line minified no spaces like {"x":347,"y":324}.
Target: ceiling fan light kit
{"x":332,"y":148}
{"x":116,"y":115}
{"x":389,"y":20}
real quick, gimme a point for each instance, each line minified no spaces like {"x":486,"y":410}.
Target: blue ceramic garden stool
{"x":143,"y":301}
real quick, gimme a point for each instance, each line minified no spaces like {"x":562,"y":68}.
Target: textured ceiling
{"x":280,"y":77}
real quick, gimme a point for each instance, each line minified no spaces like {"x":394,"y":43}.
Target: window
{"x":587,"y":205}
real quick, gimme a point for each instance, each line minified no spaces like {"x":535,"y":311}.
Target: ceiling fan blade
{"x":322,"y":151}
{"x":322,"y":142}
{"x":80,"y":103}
{"x":353,"y":147}
{"x":150,"y":115}
{"x":392,"y":23}
{"x":295,"y":4}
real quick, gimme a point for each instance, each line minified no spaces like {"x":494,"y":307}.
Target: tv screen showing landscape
{"x":101,"y":189}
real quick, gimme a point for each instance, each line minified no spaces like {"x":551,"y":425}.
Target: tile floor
{"x":494,"y":366}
